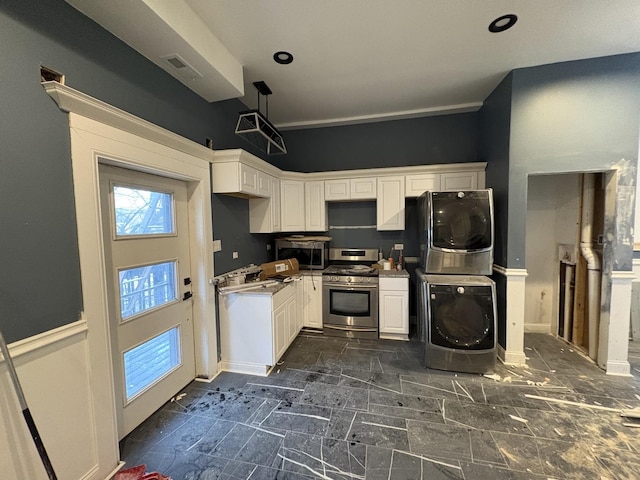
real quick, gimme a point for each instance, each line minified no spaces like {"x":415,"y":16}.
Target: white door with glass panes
{"x":146,"y":236}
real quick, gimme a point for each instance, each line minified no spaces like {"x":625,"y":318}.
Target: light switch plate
{"x":234,"y":255}
{"x":217,"y":245}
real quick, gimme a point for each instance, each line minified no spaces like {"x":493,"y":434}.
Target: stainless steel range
{"x":350,"y":294}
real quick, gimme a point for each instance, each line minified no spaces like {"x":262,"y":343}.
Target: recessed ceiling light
{"x":283,"y":58}
{"x":503,"y":23}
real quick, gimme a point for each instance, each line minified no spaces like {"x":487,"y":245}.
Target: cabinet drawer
{"x":394,"y":284}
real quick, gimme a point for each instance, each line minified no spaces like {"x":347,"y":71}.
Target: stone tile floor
{"x":347,"y":409}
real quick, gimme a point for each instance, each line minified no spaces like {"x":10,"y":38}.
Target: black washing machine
{"x":460,"y":322}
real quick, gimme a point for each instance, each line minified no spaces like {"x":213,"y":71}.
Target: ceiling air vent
{"x":182,"y":68}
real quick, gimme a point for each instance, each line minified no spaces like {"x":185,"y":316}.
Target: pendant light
{"x":257,"y":129}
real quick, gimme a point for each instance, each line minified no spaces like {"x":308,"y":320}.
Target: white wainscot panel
{"x":55,"y":379}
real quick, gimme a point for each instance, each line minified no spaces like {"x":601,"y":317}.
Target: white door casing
{"x":99,"y":128}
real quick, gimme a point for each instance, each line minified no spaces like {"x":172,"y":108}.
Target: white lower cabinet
{"x":256,"y":329}
{"x":393,"y":308}
{"x":312,"y":301}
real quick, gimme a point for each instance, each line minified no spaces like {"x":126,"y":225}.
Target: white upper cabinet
{"x":264,"y":213}
{"x":276,"y":214}
{"x":235,"y":178}
{"x":390,"y":203}
{"x":337,"y":190}
{"x":297,"y":202}
{"x":292,"y":206}
{"x":417,"y":184}
{"x":344,"y":189}
{"x":263,"y":184}
{"x":315,"y":207}
{"x":460,"y":181}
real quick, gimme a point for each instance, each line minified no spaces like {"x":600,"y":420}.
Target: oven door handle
{"x":351,"y":329}
{"x":351,"y":286}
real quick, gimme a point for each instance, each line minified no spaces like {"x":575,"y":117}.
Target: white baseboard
{"x":394,"y":336}
{"x":618,"y":368}
{"x":511,"y":358}
{"x":537,"y":328}
{"x":246,"y":368}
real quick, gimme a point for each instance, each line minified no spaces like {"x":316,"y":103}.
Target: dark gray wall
{"x":495,"y":124}
{"x":575,"y":116}
{"x":40,"y":285}
{"x":420,"y":141}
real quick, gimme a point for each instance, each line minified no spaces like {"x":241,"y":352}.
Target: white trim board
{"x":45,"y":339}
{"x":514,"y":352}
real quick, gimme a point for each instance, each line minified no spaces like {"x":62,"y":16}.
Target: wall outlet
{"x":234,"y":255}
{"x":268,"y":247}
{"x":398,"y":246}
{"x":217,"y":245}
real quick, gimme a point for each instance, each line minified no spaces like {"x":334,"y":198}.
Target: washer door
{"x":461,"y":220}
{"x":462,"y":317}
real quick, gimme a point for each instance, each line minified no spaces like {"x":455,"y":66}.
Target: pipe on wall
{"x":593,"y":262}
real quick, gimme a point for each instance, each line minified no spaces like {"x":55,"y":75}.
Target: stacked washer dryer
{"x":457,"y":317}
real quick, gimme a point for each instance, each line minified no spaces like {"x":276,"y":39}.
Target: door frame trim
{"x":99,"y":130}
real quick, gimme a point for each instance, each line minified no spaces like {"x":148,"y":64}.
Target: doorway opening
{"x":564,"y":248}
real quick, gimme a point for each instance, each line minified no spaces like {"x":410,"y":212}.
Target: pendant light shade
{"x":257,"y":129}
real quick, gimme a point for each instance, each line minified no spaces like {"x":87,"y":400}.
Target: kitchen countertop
{"x":270,"y":289}
{"x":394,"y":273}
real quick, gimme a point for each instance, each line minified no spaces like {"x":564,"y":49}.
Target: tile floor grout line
{"x":455,"y":391}
{"x":369,"y":383}
{"x":275,"y":386}
{"x":428,"y":386}
{"x":317,"y":417}
{"x":257,"y":410}
{"x":373,"y":424}
{"x":245,"y":443}
{"x":465,"y":391}
{"x":304,"y":466}
{"x":311,"y":371}
{"x":350,"y":426}
{"x":422,"y":457}
{"x":543,"y":360}
{"x":324,"y":463}
{"x":262,"y":430}
{"x":269,"y":414}
{"x":390,"y":465}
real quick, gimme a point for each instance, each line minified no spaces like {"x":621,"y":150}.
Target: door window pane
{"x":147,"y":363}
{"x":145,"y":288}
{"x":142,"y":212}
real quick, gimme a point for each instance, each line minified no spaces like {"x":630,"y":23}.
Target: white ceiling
{"x":364,"y":60}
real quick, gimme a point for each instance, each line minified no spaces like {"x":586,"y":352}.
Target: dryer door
{"x":462,"y":316}
{"x":462,"y":220}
